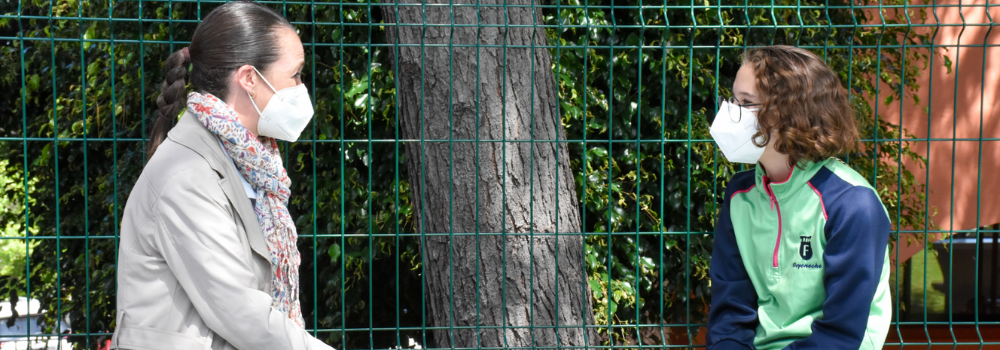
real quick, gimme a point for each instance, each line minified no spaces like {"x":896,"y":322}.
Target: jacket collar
{"x":192,"y":134}
{"x":799,"y":177}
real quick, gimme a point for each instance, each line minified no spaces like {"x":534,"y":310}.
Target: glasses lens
{"x":739,"y":111}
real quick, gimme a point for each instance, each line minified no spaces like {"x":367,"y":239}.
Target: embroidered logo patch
{"x":805,"y":247}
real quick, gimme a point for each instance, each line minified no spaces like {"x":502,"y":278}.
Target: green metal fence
{"x":580,"y":123}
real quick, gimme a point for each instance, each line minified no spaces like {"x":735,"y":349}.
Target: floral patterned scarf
{"x":259,"y":162}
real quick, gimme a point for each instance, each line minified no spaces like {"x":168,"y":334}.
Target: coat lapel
{"x":192,"y":134}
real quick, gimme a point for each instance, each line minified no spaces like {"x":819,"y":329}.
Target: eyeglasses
{"x":733,"y":101}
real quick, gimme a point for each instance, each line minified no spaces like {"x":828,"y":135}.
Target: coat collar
{"x":192,"y":134}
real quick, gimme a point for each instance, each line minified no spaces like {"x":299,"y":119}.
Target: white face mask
{"x":733,"y":131}
{"x":288,"y":113}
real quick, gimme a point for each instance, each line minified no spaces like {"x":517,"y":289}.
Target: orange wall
{"x":959,"y":115}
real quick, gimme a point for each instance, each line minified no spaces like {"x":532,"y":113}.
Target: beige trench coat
{"x":192,"y":267}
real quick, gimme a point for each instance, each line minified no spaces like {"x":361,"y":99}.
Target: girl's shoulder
{"x":741,"y":182}
{"x":844,"y":172}
{"x":844,"y":191}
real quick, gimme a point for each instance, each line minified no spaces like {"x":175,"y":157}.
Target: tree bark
{"x":502,"y":198}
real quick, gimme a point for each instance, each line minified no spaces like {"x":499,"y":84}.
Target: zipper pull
{"x":770,"y":195}
{"x":767,"y":189}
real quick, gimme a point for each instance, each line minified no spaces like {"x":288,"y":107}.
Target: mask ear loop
{"x":265,"y":79}
{"x":259,"y":112}
{"x":254,"y":104}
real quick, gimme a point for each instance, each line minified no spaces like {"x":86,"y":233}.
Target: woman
{"x":208,"y":256}
{"x":800,"y":258}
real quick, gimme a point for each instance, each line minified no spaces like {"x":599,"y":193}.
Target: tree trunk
{"x":516,"y":195}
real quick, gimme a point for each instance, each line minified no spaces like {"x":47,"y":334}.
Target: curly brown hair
{"x":803,"y":104}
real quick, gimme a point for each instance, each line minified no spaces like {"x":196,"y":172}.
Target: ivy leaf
{"x":90,"y":33}
{"x":334,"y":252}
{"x":33,"y":83}
{"x":595,"y":286}
{"x":357,"y":87}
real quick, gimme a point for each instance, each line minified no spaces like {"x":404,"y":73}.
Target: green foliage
{"x":13,"y":251}
{"x":648,"y":177}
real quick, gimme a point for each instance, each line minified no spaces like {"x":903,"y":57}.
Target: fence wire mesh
{"x":505,"y":174}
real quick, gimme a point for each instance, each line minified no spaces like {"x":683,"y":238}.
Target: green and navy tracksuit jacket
{"x":800,"y":264}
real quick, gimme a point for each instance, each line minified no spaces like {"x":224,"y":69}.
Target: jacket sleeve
{"x":732,"y":318}
{"x":857,"y":236}
{"x":200,"y":242}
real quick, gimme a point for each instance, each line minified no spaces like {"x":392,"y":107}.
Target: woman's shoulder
{"x":174,"y":174}
{"x":176,"y":167}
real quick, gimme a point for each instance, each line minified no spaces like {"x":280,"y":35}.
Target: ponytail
{"x":172,"y":99}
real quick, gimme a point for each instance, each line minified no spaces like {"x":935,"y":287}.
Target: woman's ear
{"x":246,"y":78}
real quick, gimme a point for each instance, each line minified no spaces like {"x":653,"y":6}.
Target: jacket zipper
{"x":774,"y":204}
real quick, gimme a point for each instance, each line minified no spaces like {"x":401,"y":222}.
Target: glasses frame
{"x":734,"y":101}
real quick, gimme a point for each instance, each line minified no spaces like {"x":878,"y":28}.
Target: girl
{"x":801,"y":257}
{"x":208,"y":256}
